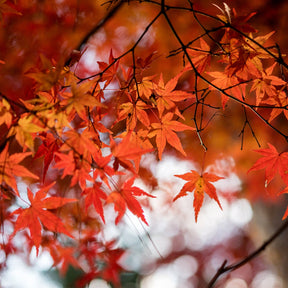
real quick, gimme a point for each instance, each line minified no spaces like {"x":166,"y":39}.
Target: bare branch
{"x":228,"y":268}
{"x":96,"y":28}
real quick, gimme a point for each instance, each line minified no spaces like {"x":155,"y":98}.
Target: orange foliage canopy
{"x":85,"y":125}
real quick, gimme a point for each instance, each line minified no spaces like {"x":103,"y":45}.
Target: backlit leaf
{"x":199,"y":184}
{"x":273,"y":162}
{"x":37,"y":214}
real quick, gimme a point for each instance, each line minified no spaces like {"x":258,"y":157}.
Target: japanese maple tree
{"x":90,"y":89}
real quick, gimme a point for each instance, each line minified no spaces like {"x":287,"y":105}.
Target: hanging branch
{"x":96,"y":28}
{"x":229,"y":268}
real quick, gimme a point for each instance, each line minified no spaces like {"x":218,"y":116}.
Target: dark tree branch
{"x":100,"y":24}
{"x":96,"y":28}
{"x":229,"y":268}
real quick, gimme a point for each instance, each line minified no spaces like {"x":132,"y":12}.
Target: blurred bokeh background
{"x":173,"y":251}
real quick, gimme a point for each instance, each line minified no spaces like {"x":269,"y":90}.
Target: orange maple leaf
{"x":199,"y":184}
{"x":164,"y":132}
{"x":201,"y":56}
{"x":10,"y":167}
{"x":255,"y":49}
{"x":231,"y":85}
{"x":79,"y":99}
{"x":108,"y":71}
{"x":50,"y":74}
{"x":125,"y":197}
{"x":126,"y":151}
{"x":26,"y":129}
{"x":38,"y":214}
{"x":278,"y":103}
{"x":133,"y":111}
{"x":242,"y":62}
{"x":272,"y":162}
{"x":145,"y":87}
{"x":244,"y":58}
{"x":265,"y":86}
{"x":82,"y":142}
{"x":166,"y":96}
{"x":5,"y":113}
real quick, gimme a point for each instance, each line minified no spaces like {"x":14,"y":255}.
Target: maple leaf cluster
{"x":78,"y":139}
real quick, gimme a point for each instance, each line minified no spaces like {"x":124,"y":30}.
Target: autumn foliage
{"x":75,"y":131}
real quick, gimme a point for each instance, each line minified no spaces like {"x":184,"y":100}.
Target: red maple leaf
{"x":125,"y":198}
{"x":66,"y":162}
{"x":112,"y":268}
{"x":73,"y":165}
{"x":199,"y":184}
{"x":63,"y":257}
{"x":49,"y":146}
{"x":272,"y":162}
{"x":108,"y":256}
{"x":93,"y":197}
{"x":37,"y":214}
